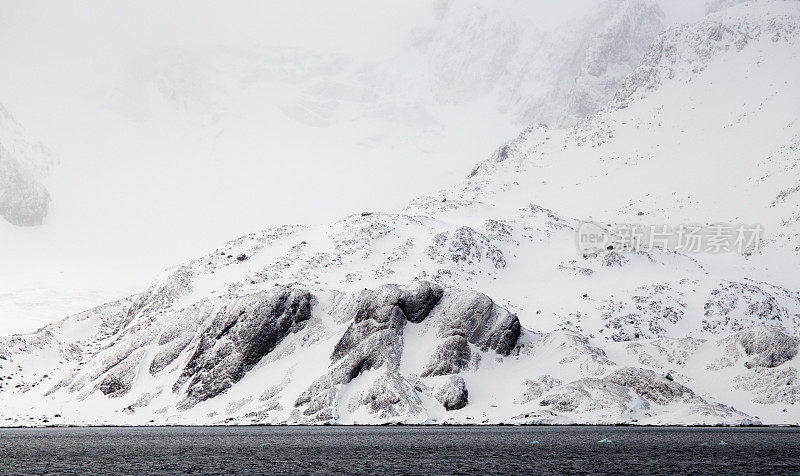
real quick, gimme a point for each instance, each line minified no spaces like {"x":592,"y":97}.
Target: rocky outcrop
{"x":771,"y":385}
{"x":453,"y":394}
{"x":374,"y":338}
{"x":736,"y":306}
{"x":685,"y":50}
{"x":767,"y":347}
{"x":163,"y":293}
{"x":628,"y":394}
{"x":240,"y":335}
{"x":764,"y":347}
{"x":533,"y":389}
{"x":647,"y":314}
{"x":466,"y":246}
{"x":390,"y":396}
{"x":650,"y":386}
{"x":419,"y":299}
{"x":450,"y":357}
{"x":374,"y":342}
{"x":602,"y":398}
{"x":477,"y":318}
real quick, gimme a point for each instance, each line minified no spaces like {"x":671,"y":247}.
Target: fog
{"x":176,"y":126}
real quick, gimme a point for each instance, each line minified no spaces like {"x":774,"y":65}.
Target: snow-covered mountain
{"x":152,"y":121}
{"x":475,"y":304}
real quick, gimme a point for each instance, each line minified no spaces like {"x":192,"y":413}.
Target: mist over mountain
{"x":24,"y":200}
{"x":178,"y":127}
{"x":479,"y":302}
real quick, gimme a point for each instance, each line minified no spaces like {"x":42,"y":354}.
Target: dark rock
{"x":467,"y":246}
{"x":113,"y":386}
{"x":453,"y":394}
{"x":650,"y":385}
{"x":450,"y":357}
{"x":739,"y":306}
{"x":391,"y":396}
{"x":381,"y":315}
{"x":613,"y":259}
{"x":373,"y":340}
{"x":418,"y":300}
{"x":768,"y":347}
{"x":476,"y":317}
{"x":240,"y":335}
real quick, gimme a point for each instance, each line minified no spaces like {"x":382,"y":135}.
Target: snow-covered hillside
{"x":475,"y":304}
{"x":153,"y":121}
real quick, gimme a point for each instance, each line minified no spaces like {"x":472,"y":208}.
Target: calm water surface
{"x":400,"y":450}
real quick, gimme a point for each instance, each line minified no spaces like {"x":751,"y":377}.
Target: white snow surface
{"x":473,"y":304}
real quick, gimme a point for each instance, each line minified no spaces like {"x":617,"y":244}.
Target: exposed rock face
{"x":766,"y":347}
{"x":419,"y":299}
{"x":534,"y":389}
{"x":737,"y":306}
{"x":613,"y":259}
{"x":772,"y":385}
{"x":451,"y":356}
{"x":390,"y":396}
{"x":317,"y":401}
{"x":631,"y":391}
{"x":683,"y":51}
{"x":375,"y":336}
{"x":649,"y":313}
{"x":374,"y":340}
{"x":467,"y":246}
{"x":114,"y":386}
{"x":453,"y":394}
{"x":476,"y":317}
{"x":650,"y":386}
{"x":163,"y":293}
{"x":240,"y":335}
{"x":589,"y":395}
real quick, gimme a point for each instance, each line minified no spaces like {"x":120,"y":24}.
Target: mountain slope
{"x":475,"y":304}
{"x":364,"y":92}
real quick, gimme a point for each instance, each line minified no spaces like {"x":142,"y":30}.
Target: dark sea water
{"x":400,"y":450}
